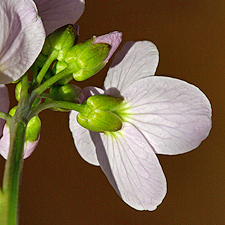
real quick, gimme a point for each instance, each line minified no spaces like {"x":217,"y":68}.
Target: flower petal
{"x":56,"y":14}
{"x":134,"y":61}
{"x":83,"y":137}
{"x":174,"y":116}
{"x":113,"y":39}
{"x":5,"y":142}
{"x":21,"y":39}
{"x":83,"y":141}
{"x":4,"y":104}
{"x":132,"y":167}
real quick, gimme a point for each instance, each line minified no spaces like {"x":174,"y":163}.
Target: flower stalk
{"x":14,"y":163}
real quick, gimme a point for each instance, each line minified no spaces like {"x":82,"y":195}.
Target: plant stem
{"x":55,"y":104}
{"x":40,"y":89}
{"x":9,"y":197}
{"x":12,"y":174}
{"x":46,"y":65}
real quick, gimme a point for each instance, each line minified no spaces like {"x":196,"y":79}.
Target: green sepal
{"x":104,"y":102}
{"x":60,"y":40}
{"x":12,"y":111}
{"x":85,"y":59}
{"x":100,"y":121}
{"x":33,"y":126}
{"x":33,"y":129}
{"x":93,"y":55}
{"x":99,"y":113}
{"x":84,"y":74}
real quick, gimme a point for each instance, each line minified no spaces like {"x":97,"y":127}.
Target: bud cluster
{"x":81,"y":60}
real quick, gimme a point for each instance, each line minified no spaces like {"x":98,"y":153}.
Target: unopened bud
{"x":60,"y":40}
{"x":100,"y":115}
{"x":68,"y":93}
{"x":33,"y":129}
{"x":86,"y":59}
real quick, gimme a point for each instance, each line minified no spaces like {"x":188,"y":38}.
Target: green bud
{"x":68,"y":93}
{"x":33,"y":129}
{"x":33,"y":126}
{"x":60,"y":40}
{"x":12,"y":111}
{"x":18,"y":90}
{"x":100,"y":121}
{"x":86,"y":59}
{"x":100,"y":115}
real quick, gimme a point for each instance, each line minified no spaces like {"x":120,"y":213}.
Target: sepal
{"x":99,"y":114}
{"x":60,"y":40}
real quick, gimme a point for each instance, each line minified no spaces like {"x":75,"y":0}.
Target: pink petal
{"x":5,"y":142}
{"x":56,"y":14}
{"x":21,"y":38}
{"x":4,"y":104}
{"x":135,"y":61}
{"x":83,"y":137}
{"x":83,"y":141}
{"x":132,"y":167}
{"x":114,"y":39}
{"x":174,"y":116}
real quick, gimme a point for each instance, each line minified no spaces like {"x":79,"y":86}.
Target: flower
{"x":113,"y":39}
{"x":161,"y":115}
{"x":56,"y":14}
{"x":21,"y":42}
{"x":21,"y":39}
{"x":29,"y":146}
{"x":23,"y":33}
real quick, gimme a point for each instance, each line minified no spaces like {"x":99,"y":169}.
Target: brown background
{"x":60,"y":188}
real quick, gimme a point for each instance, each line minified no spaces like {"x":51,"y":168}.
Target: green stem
{"x":9,"y":201}
{"x":47,"y":64}
{"x":56,"y":104}
{"x":39,"y":90}
{"x":12,"y":175}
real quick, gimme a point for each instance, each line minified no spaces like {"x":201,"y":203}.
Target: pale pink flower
{"x":57,"y":13}
{"x":21,"y":38}
{"x":161,"y":115}
{"x":114,"y":39}
{"x":29,"y":146}
{"x":21,"y":41}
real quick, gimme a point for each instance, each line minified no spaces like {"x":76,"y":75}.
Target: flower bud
{"x":68,"y":92}
{"x":100,"y":115}
{"x":86,"y":59}
{"x":33,"y":129}
{"x":60,"y":40}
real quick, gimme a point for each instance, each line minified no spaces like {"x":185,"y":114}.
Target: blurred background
{"x":59,"y":187}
